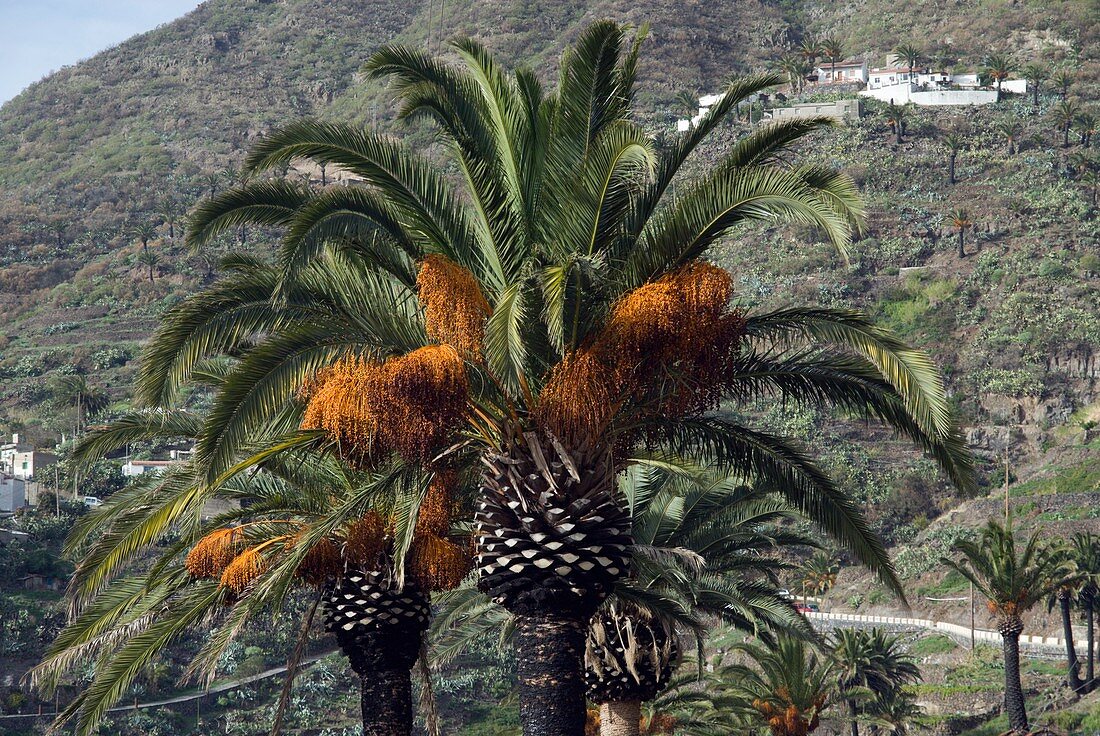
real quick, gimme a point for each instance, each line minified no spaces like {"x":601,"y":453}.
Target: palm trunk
{"x":384,"y":665}
{"x":1035,"y":95}
{"x":1014,"y":691}
{"x":549,"y":654}
{"x":962,"y":243}
{"x":998,"y":90}
{"x":1090,"y":670}
{"x":1073,"y":676}
{"x":854,"y":710}
{"x":379,"y":628}
{"x":898,"y":133}
{"x":621,"y":718}
{"x":1065,"y":136}
{"x":951,"y":169}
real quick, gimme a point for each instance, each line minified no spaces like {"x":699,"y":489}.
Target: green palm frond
{"x":271,"y":203}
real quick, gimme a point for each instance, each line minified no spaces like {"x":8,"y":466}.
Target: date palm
{"x":960,"y":220}
{"x":543,"y":321}
{"x":1063,"y":79}
{"x":1064,"y":597}
{"x":1012,"y":581}
{"x":1035,"y":74}
{"x":895,"y":118}
{"x":819,"y":574}
{"x":954,"y":143}
{"x":870,"y":662}
{"x":301,"y":531}
{"x":786,"y":686}
{"x":911,"y":55}
{"x":999,"y":67}
{"x":169,"y":211}
{"x":1010,"y":131}
{"x":795,"y":67}
{"x":1086,"y":127}
{"x":1065,"y":115}
{"x":1085,"y":550}
{"x":832,"y":49}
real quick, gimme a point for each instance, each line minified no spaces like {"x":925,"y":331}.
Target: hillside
{"x":138,"y":134}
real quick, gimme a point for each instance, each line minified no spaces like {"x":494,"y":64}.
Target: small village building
{"x":847,"y":72}
{"x":134,"y":468}
{"x":22,"y":460}
{"x":842,"y":110}
{"x":13,"y":494}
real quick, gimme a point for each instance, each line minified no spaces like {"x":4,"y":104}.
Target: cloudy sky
{"x":39,"y":36}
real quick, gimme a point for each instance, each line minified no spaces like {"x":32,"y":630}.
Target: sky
{"x":40,"y":36}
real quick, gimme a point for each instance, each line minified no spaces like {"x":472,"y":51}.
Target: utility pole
{"x":972,"y":636}
{"x":1008,"y":513}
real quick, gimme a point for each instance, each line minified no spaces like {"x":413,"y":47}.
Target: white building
{"x":133,"y":468}
{"x":706,"y":102}
{"x":847,"y":71}
{"x":901,"y":85}
{"x":22,"y":461}
{"x":842,"y":110}
{"x":13,"y":494}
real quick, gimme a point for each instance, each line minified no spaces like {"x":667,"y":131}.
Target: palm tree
{"x":1010,"y":131}
{"x":786,"y":687}
{"x":911,"y":55}
{"x":59,"y":228}
{"x":1063,"y":79}
{"x":795,"y":67}
{"x":301,"y":524}
{"x":689,"y":101}
{"x":1063,"y":597}
{"x":1085,"y":549}
{"x":895,"y":118}
{"x":819,"y":574}
{"x":1065,"y":115}
{"x":810,"y":49}
{"x":1035,"y":74}
{"x":1091,"y":179}
{"x":1086,"y":126}
{"x":150,"y":261}
{"x":143,"y":233}
{"x":169,"y":211}
{"x":211,"y":182}
{"x":999,"y":67}
{"x":954,"y":143}
{"x":522,"y":325}
{"x":75,"y":391}
{"x":832,"y":48}
{"x":960,"y":220}
{"x":894,"y":712}
{"x":870,"y":662}
{"x":1012,"y":582}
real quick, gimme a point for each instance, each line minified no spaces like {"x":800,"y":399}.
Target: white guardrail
{"x":955,"y":630}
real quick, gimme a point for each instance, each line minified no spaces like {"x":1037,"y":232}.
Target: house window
{"x":24,"y":465}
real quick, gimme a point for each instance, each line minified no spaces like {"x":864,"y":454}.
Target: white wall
{"x":900,"y":94}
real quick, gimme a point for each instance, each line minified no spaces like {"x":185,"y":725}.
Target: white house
{"x":921,"y":87}
{"x":21,"y":460}
{"x":843,"y":110}
{"x":706,"y":102}
{"x":13,"y":494}
{"x":847,"y":71}
{"x":134,"y":468}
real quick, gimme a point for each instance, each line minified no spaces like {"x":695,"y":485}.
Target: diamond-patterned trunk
{"x":380,"y":628}
{"x":1010,"y":629}
{"x":628,"y":657}
{"x":552,"y":540}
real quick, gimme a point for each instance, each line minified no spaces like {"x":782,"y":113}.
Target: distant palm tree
{"x":872,"y":663}
{"x":1063,"y":597}
{"x":1010,"y":131}
{"x":211,"y":182}
{"x":894,"y":713}
{"x":960,"y":220}
{"x":819,"y":574}
{"x":1086,"y":127}
{"x":1063,"y":79}
{"x":998,"y":67}
{"x":1091,"y":179}
{"x":170,"y":211}
{"x":1012,"y":582}
{"x":810,"y":49}
{"x":832,"y":49}
{"x":143,"y":233}
{"x":1035,"y":74}
{"x":59,"y":228}
{"x":75,"y":391}
{"x":954,"y":144}
{"x":1086,"y":555}
{"x":786,"y":686}
{"x":1065,"y":115}
{"x":895,"y":118}
{"x":150,"y":260}
{"x":688,"y":101}
{"x":909,"y":54}
{"x":795,"y":68}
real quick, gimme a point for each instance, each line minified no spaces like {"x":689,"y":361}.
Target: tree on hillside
{"x":910,"y":55}
{"x":810,"y":50}
{"x":953,"y":142}
{"x":1010,"y":131}
{"x":143,"y":233}
{"x":786,"y":685}
{"x":1091,"y":179}
{"x":210,"y":183}
{"x":540,"y":323}
{"x":58,"y":228}
{"x":1064,"y":597}
{"x":74,"y":391}
{"x":170,"y":212}
{"x":960,"y":220}
{"x":819,"y":574}
{"x":150,"y":260}
{"x":1086,"y":127}
{"x":796,"y":68}
{"x":1012,"y":581}
{"x":871,"y":669}
{"x":832,"y":49}
{"x":1035,"y":74}
{"x":1085,"y":549}
{"x":688,"y":102}
{"x":1065,"y":115}
{"x":998,"y":67}
{"x":1062,"y":79}
{"x":895,"y":118}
